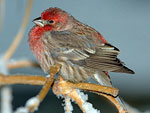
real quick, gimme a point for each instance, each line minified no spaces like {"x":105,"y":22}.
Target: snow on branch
{"x":6,"y":92}
{"x":31,"y":105}
{"x":87,"y":107}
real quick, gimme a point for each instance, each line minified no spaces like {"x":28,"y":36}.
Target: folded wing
{"x":81,"y":50}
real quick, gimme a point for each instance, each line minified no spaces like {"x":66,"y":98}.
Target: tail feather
{"x":124,"y":69}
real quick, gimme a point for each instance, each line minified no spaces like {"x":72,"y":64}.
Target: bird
{"x":59,"y":38}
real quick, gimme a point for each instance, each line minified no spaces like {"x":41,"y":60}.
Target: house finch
{"x":58,"y":38}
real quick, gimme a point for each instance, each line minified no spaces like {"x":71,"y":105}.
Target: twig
{"x":67,"y":86}
{"x":116,"y":103}
{"x":21,"y":32}
{"x":22,"y":79}
{"x":93,"y":88}
{"x":33,"y":103}
{"x":40,"y":80}
{"x":53,"y":71}
{"x":75,"y":95}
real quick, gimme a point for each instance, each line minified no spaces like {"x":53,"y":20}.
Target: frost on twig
{"x":87,"y":107}
{"x":3,"y":66}
{"x":6,"y":92}
{"x":22,"y":110}
{"x":31,"y":106}
{"x":75,"y":94}
{"x":6,"y":99}
{"x":67,"y":105}
{"x":33,"y":103}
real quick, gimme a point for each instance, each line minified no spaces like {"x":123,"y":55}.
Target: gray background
{"x":124,"y":23}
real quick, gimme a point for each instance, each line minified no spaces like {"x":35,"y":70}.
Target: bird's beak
{"x":38,"y":21}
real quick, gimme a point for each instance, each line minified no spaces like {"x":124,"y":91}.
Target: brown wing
{"x":69,"y":45}
{"x":82,"y":50}
{"x":105,"y":59}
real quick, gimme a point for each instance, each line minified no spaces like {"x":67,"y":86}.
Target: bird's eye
{"x":51,"y":21}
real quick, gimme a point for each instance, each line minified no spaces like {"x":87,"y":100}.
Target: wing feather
{"x":82,"y":50}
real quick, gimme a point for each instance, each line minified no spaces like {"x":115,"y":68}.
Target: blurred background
{"x":124,"y":23}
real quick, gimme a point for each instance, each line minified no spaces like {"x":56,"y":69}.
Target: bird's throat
{"x":36,"y":33}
